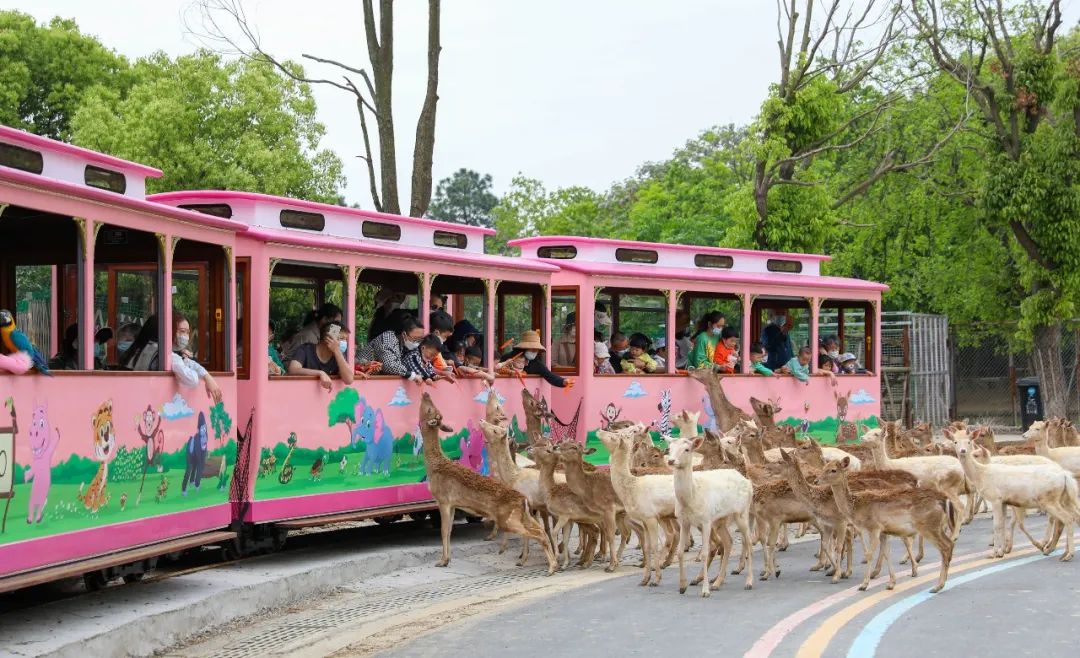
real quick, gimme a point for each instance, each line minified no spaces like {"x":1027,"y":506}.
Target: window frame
{"x":869,"y":327}
{"x":107,"y":174}
{"x":575,"y":292}
{"x":290,"y":224}
{"x":243,"y":264}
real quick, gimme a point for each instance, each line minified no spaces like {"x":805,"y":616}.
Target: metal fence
{"x":985,"y":380}
{"x":915,"y":366}
{"x":32,"y":317}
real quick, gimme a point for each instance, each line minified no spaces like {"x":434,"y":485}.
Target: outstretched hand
{"x":569,"y":384}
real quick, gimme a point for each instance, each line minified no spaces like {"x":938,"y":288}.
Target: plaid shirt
{"x":386,"y":348}
{"x":415,"y":364}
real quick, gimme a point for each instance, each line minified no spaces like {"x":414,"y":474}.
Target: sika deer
{"x":454,"y":487}
{"x":727,"y":414}
{"x":904,"y":512}
{"x":1067,"y":456}
{"x":597,"y":493}
{"x":828,"y":519}
{"x":1028,"y":485}
{"x":706,"y":498}
{"x":568,"y":508}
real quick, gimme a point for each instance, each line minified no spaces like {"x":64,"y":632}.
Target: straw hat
{"x":530,"y":340}
{"x":601,"y":350}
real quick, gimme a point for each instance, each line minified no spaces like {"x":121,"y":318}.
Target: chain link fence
{"x":985,"y":377}
{"x":915,"y":368}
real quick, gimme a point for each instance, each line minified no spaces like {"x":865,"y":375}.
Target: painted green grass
{"x":65,"y":513}
{"x":405,"y":469}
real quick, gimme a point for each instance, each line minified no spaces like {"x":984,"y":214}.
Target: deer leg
{"x":647,"y":539}
{"x":959,"y":512}
{"x":706,"y":538}
{"x":560,"y":531}
{"x":446,"y":522}
{"x":654,"y":539}
{"x":911,"y":558}
{"x":684,"y":531}
{"x":494,"y":533}
{"x":849,"y":546}
{"x":768,"y":551}
{"x":610,"y":523}
{"x":742,"y":520}
{"x":670,"y":530}
{"x":945,"y":544}
{"x":888,"y":560}
{"x":999,"y":529}
{"x":875,"y":542}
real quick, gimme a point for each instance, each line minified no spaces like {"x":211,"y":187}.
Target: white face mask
{"x":531,"y":355}
{"x":833,"y":353}
{"x":343,"y":345}
{"x":717,"y":331}
{"x":182,"y":341}
{"x":411,"y":344}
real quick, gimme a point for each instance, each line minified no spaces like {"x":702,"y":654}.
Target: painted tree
{"x":220,"y":421}
{"x":225,"y":23}
{"x":342,"y":409}
{"x":1024,"y":79}
{"x":465,"y":198}
{"x":46,"y":70}
{"x":214,"y":124}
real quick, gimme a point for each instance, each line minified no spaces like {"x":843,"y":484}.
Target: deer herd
{"x":756,"y":477}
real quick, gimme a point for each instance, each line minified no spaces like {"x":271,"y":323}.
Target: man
{"x":310,"y":333}
{"x":620,"y":347}
{"x":322,"y":359}
{"x":776,"y":341}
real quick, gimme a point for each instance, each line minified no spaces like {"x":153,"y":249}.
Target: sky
{"x":571,"y":92}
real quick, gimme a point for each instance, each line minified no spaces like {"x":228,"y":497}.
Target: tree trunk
{"x":1050,"y":369}
{"x":381,"y":54}
{"x":424,"y":149}
{"x":761,"y":205}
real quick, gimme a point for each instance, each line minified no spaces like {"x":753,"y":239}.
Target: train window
{"x":17,"y":157}
{"x":636,"y":315}
{"x":468,"y":308}
{"x":714,"y":261}
{"x":781,"y":265}
{"x":636,"y":255}
{"x":127,"y":294}
{"x":518,"y":308}
{"x":382,"y":296}
{"x":223,"y":210}
{"x":297,"y":290}
{"x":451,"y":239}
{"x":105,"y":179}
{"x":563,"y":252}
{"x":694,"y":313}
{"x":782,"y":326}
{"x":309,"y":221}
{"x":200,"y":293}
{"x":380,"y":230}
{"x":846,"y":327}
{"x":564,"y":330}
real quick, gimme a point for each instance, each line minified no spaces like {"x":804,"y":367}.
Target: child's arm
{"x":760,"y":369}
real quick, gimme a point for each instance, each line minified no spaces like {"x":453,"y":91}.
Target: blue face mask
{"x":716,"y":331}
{"x":99,"y":350}
{"x":343,"y":345}
{"x":124,"y":345}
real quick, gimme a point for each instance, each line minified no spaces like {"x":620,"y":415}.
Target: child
{"x":418,"y":362}
{"x":725,"y":354}
{"x":602,"y":359}
{"x":757,"y":360}
{"x":637,"y":360}
{"x":471,"y":367}
{"x":799,"y":366}
{"x":660,"y":354}
{"x":849,"y":365}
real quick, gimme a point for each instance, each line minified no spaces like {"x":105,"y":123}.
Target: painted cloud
{"x":482,"y":397}
{"x":861,"y":397}
{"x":176,"y":408}
{"x":634,"y":390}
{"x":401,"y":398}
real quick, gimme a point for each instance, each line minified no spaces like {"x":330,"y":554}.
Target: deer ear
{"x":845,"y":462}
{"x":947,"y":432}
{"x":697,"y":442}
{"x":588,"y":451}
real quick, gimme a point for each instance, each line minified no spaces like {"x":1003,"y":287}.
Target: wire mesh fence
{"x":915,"y":381}
{"x":985,"y":380}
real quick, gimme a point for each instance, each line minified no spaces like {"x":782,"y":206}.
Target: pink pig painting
{"x":472,"y":448}
{"x":43,"y":444}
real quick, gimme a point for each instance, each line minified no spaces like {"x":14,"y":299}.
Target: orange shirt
{"x":439,"y":363}
{"x":721,"y":356}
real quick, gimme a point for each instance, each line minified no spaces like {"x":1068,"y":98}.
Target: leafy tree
{"x":528,"y":209}
{"x":220,"y":421}
{"x":342,"y":409}
{"x":465,"y":198}
{"x":46,"y":70}
{"x":214,"y":124}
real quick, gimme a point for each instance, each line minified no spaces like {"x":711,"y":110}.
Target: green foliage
{"x":464,"y":198}
{"x":75,"y":470}
{"x":220,"y":421}
{"x":127,"y":465}
{"x":46,"y":70}
{"x":342,"y":409}
{"x":213,"y":124}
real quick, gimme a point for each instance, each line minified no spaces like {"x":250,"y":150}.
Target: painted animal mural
{"x":845,"y":432}
{"x":43,"y":442}
{"x":197,"y":449}
{"x":378,"y":441}
{"x":96,"y":496}
{"x":663,"y":424}
{"x":609,"y":415}
{"x":710,"y":415}
{"x":148,"y":425}
{"x":472,"y":448}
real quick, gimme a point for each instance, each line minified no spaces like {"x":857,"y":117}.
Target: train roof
{"x":303,"y":223}
{"x":622,"y":258}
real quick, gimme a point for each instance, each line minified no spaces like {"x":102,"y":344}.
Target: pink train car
{"x":103,"y":469}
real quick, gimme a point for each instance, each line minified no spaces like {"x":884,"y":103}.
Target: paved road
{"x":483,"y":606}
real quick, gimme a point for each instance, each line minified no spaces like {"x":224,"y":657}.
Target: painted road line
{"x":772,"y":638}
{"x":866,"y":642}
{"x":815,"y":645}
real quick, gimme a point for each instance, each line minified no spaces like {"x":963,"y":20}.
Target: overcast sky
{"x":572,"y":92}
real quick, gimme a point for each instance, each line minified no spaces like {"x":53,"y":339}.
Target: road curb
{"x":151,"y":617}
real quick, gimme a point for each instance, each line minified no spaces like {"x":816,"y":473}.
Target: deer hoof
{"x":778,"y":573}
{"x":705,"y":593}
{"x":1067,"y":557}
{"x":748,"y":586}
{"x":862,"y":588}
{"x":654,"y":584}
{"x":682,"y":590}
{"x":935,"y":589}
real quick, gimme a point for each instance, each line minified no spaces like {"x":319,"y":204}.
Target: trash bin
{"x":1030,"y":395}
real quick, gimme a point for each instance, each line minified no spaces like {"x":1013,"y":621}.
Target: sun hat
{"x":847,"y":356}
{"x":530,"y":340}
{"x":660,"y":343}
{"x":601,"y":350}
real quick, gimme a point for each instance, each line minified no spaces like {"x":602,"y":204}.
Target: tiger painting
{"x":95,"y":497}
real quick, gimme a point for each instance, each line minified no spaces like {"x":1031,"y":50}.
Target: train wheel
{"x":94,"y":581}
{"x":279,"y":539}
{"x":133,"y":577}
{"x":387,"y":520}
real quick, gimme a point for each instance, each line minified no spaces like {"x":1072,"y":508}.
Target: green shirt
{"x":801,"y":372}
{"x":276,"y":358}
{"x":702,"y":354}
{"x":760,"y":369}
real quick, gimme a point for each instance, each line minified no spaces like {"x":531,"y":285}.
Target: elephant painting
{"x":378,"y":441}
{"x":196,"y":456}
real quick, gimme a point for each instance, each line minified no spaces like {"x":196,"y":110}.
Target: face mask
{"x":123,"y":346}
{"x":343,"y":345}
{"x":622,"y":352}
{"x":530,"y":355}
{"x":182,"y":341}
{"x":411,"y":344}
{"x":717,"y":331}
{"x":779,"y":320}
{"x":833,"y":353}
{"x":99,"y":351}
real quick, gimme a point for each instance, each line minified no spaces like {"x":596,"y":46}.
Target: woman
{"x":386,"y":302}
{"x":465,"y":335}
{"x":566,"y":346}
{"x":391,"y":346}
{"x":708,"y":335}
{"x":829,"y":354}
{"x":529,"y":349}
{"x":683,"y":344}
{"x":143,"y":355}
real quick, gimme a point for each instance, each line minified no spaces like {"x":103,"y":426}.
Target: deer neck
{"x":842,"y":496}
{"x":575,"y":475}
{"x":877,"y":449}
{"x":533,"y":428}
{"x":433,"y":453}
{"x":684,"y":480}
{"x":621,"y":475}
{"x":972,"y":468}
{"x":547,"y":476}
{"x":1042,"y":447}
{"x":503,"y":460}
{"x":754,"y":452}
